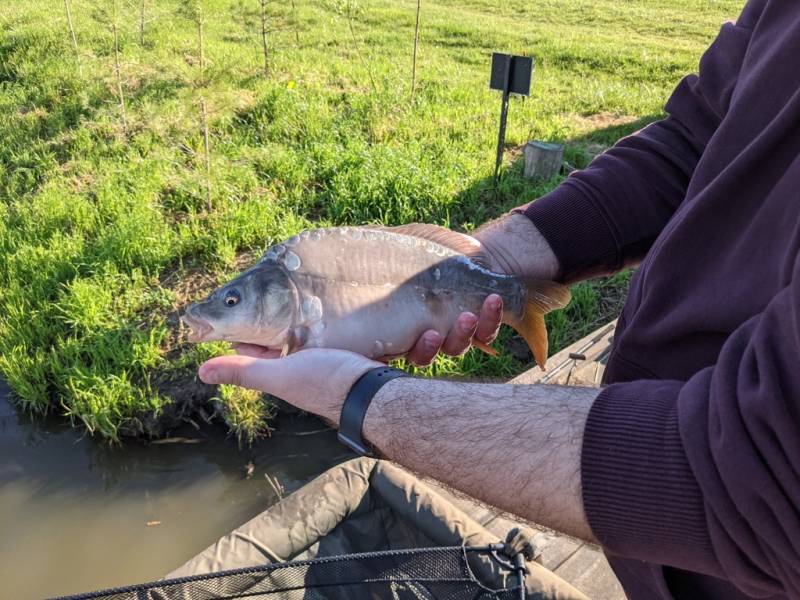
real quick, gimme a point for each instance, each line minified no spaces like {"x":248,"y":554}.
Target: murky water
{"x":76,"y":515}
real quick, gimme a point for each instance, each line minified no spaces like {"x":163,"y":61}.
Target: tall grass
{"x":107,"y":228}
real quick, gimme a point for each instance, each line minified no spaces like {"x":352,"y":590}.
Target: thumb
{"x":244,"y":371}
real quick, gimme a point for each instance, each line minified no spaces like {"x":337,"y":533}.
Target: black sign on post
{"x":510,"y":75}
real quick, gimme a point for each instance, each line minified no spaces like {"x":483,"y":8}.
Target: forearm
{"x":514,"y":447}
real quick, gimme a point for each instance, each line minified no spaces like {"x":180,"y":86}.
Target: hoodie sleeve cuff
{"x":639,"y":492}
{"x":578,"y":233}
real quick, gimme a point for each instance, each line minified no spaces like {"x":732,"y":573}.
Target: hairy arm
{"x":516,"y":447}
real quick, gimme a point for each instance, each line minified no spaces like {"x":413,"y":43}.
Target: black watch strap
{"x":357,"y":402}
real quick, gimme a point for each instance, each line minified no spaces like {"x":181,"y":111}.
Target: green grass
{"x":104,"y":231}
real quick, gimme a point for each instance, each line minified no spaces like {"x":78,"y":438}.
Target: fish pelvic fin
{"x":483,"y":346}
{"x":541,"y":297}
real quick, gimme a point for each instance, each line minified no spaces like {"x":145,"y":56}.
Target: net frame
{"x":461,"y":577}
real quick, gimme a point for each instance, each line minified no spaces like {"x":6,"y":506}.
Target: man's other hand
{"x":513,"y":246}
{"x":467,"y":330}
{"x":316,"y":380}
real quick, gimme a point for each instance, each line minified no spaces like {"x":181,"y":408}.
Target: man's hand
{"x":467,"y":329}
{"x":513,"y":246}
{"x":316,"y":380}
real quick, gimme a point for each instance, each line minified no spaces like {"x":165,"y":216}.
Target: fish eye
{"x":232,"y":298}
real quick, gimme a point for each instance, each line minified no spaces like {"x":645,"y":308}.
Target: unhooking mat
{"x":361,"y":506}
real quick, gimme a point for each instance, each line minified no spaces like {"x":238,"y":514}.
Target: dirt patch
{"x":594,"y":131}
{"x":191,"y":404}
{"x":602,"y":120}
{"x":513,"y":152}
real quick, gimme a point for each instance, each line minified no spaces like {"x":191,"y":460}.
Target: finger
{"x":256,"y":351}
{"x":244,"y":371}
{"x":489,"y":319}
{"x":426,"y":348}
{"x":460,"y":336}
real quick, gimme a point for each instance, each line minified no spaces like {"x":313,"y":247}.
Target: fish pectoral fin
{"x":540,"y":297}
{"x":457,"y":242}
{"x":296,"y":339}
{"x":483,"y":346}
{"x":300,"y":336}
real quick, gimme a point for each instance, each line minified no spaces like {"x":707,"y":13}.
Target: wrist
{"x":357,"y":403}
{"x":342,"y":381}
{"x":515,"y":247}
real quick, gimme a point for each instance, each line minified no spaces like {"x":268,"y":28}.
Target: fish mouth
{"x":201,"y":329}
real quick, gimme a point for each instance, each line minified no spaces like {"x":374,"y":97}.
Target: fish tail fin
{"x":541,"y":297}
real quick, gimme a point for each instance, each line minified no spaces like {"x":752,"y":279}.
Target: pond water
{"x":77,"y":515}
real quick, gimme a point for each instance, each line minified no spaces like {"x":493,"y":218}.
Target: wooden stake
{"x":416,"y":46}
{"x":71,"y":28}
{"x":200,"y":49}
{"x":264,"y":38}
{"x":141,"y":23}
{"x":296,"y":31}
{"x":206,"y":152}
{"x":118,"y":71}
{"x":543,"y":160}
{"x":356,"y":46}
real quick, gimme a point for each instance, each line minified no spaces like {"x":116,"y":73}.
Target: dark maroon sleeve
{"x":607,"y":215}
{"x":705,"y":475}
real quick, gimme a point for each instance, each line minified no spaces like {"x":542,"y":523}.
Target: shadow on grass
{"x":157,"y":90}
{"x":609,"y":135}
{"x":594,"y":302}
{"x":512,"y":188}
{"x":36,"y":137}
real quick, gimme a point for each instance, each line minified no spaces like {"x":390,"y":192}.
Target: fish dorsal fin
{"x":457,"y":242}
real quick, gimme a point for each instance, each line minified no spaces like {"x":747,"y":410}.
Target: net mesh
{"x":414,"y":574}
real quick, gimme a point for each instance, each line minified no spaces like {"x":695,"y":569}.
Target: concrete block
{"x":556,"y":548}
{"x":543,"y":159}
{"x":589,"y":571}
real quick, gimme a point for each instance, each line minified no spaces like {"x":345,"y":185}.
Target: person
{"x":685,"y":466}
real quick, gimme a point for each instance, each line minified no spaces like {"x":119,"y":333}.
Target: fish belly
{"x":376,"y":293}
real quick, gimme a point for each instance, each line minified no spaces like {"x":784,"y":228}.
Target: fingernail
{"x":495,"y":303}
{"x":468,"y":324}
{"x":432,"y":343}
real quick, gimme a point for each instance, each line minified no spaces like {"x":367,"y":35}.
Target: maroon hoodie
{"x":691,"y":456}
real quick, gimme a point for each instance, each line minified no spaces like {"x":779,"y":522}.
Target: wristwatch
{"x":351,"y":421}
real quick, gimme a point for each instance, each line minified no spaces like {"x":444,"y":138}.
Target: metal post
{"x":501,"y":137}
{"x":510,"y":75}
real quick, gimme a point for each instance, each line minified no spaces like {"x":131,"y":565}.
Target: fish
{"x":370,"y":289}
